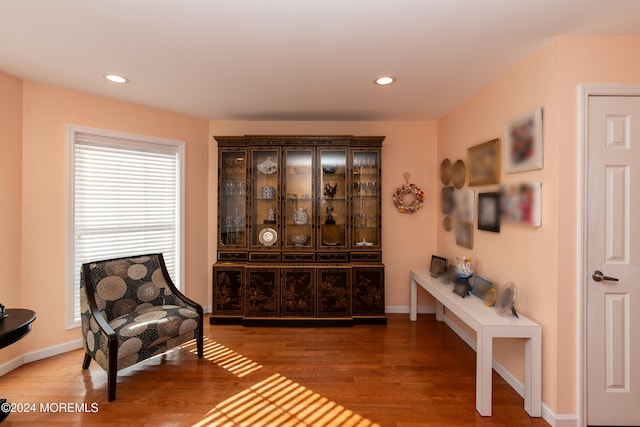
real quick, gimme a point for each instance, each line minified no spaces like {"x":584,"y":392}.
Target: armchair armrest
{"x":176,"y":291}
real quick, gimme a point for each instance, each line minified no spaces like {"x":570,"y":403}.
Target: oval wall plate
{"x":445,"y":171}
{"x":459,"y":176}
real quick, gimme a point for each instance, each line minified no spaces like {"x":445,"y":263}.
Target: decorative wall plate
{"x":268,"y":236}
{"x":268,"y":167}
{"x":445,"y":171}
{"x":446,"y":223}
{"x":459,"y":175}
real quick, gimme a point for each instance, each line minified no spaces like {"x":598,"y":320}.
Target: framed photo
{"x":465,"y":209}
{"x":464,"y":235}
{"x":521,"y":203}
{"x":447,"y":201}
{"x":523,"y":143}
{"x":489,"y":212}
{"x":484,"y":163}
{"x":480,"y":287}
{"x":438,"y":265}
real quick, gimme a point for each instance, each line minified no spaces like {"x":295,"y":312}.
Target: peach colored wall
{"x":592,"y":60}
{"x":525,"y":255}
{"x":10,"y":189}
{"x":408,"y":240}
{"x":543,"y":262}
{"x":46,"y":112}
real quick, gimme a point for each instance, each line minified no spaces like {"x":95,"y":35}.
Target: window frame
{"x":127,"y":139}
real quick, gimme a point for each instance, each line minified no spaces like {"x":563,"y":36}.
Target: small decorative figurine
{"x":461,"y":288}
{"x":330,"y":220}
{"x":300,"y":217}
{"x":330,"y":190}
{"x":464,"y":269}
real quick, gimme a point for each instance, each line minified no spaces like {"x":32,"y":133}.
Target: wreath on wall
{"x":409,"y":197}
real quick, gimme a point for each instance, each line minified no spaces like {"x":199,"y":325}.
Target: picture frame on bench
{"x":480,"y":287}
{"x":438,"y":265}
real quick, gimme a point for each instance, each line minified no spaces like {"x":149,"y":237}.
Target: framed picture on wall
{"x":483,"y":161}
{"x":465,"y":205}
{"x":447,"y":200}
{"x":521,"y":203}
{"x":523,"y":143}
{"x":464,"y":235}
{"x":489,"y":212}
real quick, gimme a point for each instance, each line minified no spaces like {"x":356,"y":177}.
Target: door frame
{"x":585,"y":91}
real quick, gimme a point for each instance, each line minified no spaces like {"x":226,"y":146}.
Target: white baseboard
{"x":547,"y":414}
{"x":564,"y":420}
{"x":423,"y":309}
{"x":11,"y":365}
{"x":39,"y":354}
{"x":54,"y":350}
{"x":206,"y":309}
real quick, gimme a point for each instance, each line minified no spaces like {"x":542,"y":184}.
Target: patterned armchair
{"x":131,"y":311}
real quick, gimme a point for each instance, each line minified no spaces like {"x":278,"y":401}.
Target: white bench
{"x":488,"y":325}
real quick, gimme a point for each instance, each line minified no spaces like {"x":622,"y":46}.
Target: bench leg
{"x":484,"y":359}
{"x":413,"y":301}
{"x":439,"y":311}
{"x":532,"y":376}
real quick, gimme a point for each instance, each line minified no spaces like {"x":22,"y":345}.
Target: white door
{"x":613,"y":251}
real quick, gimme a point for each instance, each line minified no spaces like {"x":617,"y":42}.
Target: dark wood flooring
{"x":405,"y":374}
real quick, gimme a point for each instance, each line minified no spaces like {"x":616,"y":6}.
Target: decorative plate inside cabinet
{"x":445,"y":171}
{"x":268,"y":167}
{"x":268,"y":236}
{"x":459,"y":174}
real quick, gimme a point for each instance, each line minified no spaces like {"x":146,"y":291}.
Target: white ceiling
{"x":290,"y":59}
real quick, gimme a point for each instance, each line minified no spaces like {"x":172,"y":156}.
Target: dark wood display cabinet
{"x":299,"y":231}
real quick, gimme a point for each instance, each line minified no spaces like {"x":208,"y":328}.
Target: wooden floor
{"x":404,"y":374}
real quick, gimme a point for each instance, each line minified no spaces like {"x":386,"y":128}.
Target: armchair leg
{"x":87,"y":361}
{"x":113,"y":368}
{"x":200,"y":344}
{"x":112,"y":385}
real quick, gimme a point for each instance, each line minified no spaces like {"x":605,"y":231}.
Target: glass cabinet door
{"x":366,"y":199}
{"x":333,"y":207}
{"x":232,"y":198}
{"x":298,"y":205}
{"x":265,"y":227}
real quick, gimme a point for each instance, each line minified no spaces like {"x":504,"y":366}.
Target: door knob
{"x":598,"y":276}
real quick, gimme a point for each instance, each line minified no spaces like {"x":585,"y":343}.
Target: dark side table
{"x":15,"y":326}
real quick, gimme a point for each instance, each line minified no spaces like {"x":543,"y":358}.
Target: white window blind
{"x":125,"y":201}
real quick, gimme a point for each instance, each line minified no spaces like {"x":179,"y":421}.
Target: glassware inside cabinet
{"x":333,"y":201}
{"x":366,"y":199}
{"x":233,"y":198}
{"x":298,"y":206}
{"x":266,"y":204}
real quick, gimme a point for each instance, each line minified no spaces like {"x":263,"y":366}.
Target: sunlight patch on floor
{"x":224,"y":357}
{"x":278,"y":401}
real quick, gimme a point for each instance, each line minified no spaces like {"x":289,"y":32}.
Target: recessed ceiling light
{"x":384,"y":80}
{"x":114,"y":78}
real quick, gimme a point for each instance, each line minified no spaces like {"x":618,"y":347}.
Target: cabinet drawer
{"x":333,"y":257}
{"x":232,"y":256}
{"x":366,"y":257}
{"x":305,"y":257}
{"x":262,"y":256}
